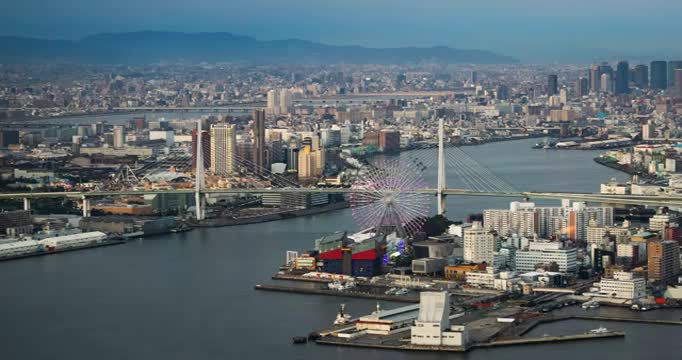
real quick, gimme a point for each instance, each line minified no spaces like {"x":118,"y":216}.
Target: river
{"x":190,"y":295}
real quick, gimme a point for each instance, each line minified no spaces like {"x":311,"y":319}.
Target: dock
{"x":411,"y":298}
{"x":549,"y":339}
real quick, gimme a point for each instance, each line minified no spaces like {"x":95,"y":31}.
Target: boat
{"x":600,"y":330}
{"x":402,"y":291}
{"x":299,"y":339}
{"x":391,"y":291}
{"x":342,"y":317}
{"x":546,"y":147}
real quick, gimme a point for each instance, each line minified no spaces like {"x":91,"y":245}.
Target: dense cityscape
{"x":333,"y":180}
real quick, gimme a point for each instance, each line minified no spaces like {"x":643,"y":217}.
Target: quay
{"x":410,"y":298}
{"x":57,"y":251}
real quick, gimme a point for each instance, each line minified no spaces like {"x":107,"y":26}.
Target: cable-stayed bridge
{"x":465,"y":177}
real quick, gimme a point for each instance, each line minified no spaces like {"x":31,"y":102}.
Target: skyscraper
{"x":273,"y":102}
{"x":622,"y":78}
{"x":606,"y":83}
{"x":552,"y":85}
{"x":595,"y":77}
{"x":479,"y":244}
{"x":582,"y":87}
{"x":672,"y":66}
{"x":285,"y":102}
{"x":119,"y":136}
{"x":659,"y":75}
{"x":223,"y":142}
{"x":678,"y":83}
{"x":259,"y":139}
{"x":641,"y":77}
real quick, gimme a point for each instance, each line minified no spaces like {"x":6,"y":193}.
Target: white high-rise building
{"x":119,"y":136}
{"x":521,"y":219}
{"x":432,"y":326}
{"x":479,"y":244}
{"x":273,"y":106}
{"x":286,"y":102}
{"x":223,"y":149}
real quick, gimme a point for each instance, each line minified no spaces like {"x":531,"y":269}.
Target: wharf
{"x":301,"y":278}
{"x":403,"y":345}
{"x":409,"y":298}
{"x":42,"y":253}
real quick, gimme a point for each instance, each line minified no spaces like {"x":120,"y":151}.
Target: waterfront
{"x":190,"y":295}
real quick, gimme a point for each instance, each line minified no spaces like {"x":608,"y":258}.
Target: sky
{"x":531,"y":30}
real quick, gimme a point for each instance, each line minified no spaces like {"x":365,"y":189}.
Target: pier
{"x":410,"y":298}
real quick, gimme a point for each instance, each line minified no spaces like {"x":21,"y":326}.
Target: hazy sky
{"x":533,"y":30}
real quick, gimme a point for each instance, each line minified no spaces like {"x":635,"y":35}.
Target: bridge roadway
{"x":648,"y":200}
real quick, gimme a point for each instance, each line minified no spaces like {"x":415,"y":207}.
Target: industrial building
{"x":432,"y":326}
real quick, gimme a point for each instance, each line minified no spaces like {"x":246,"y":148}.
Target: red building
{"x":389,"y":140}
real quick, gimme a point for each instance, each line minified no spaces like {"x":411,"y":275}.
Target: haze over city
{"x":531,"y":30}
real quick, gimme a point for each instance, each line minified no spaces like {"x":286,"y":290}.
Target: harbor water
{"x":191,"y":296}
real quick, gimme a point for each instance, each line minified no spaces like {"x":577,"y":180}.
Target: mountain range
{"x":146,"y":47}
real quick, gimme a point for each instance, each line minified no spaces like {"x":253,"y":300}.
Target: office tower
{"x":672,"y":66}
{"x":552,"y":85}
{"x":582,"y":87}
{"x":473,"y":78}
{"x":259,"y":140}
{"x":659,"y":77}
{"x":479,"y":244}
{"x":648,"y":131}
{"x":606,"y":83}
{"x":330,"y":138}
{"x":273,"y":107}
{"x":9,"y":137}
{"x":595,"y":77}
{"x":119,"y":136}
{"x":307,"y":163}
{"x":563,"y":96}
{"x":292,"y":158}
{"x":223,"y":142}
{"x":286,"y":102}
{"x":205,"y":144}
{"x":678,"y":82}
{"x":663,"y":260}
{"x":641,"y":77}
{"x":622,"y":78}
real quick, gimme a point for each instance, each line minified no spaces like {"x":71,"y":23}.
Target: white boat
{"x":342,"y":317}
{"x":402,"y":291}
{"x":391,"y":291}
{"x":600,"y":330}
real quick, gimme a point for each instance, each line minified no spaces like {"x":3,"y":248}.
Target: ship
{"x":342,"y":317}
{"x":599,"y":330}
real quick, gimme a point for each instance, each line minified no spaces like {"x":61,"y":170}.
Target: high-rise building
{"x":595,"y":77}
{"x":273,"y":107}
{"x":119,"y":136}
{"x":521,"y":219}
{"x":286,"y":102}
{"x":582,"y":87}
{"x":672,"y":66}
{"x":205,"y":144}
{"x":259,"y":140}
{"x":223,"y":143}
{"x":307,"y":163}
{"x":648,"y":131}
{"x":9,"y":137}
{"x":330,"y":138}
{"x":606,"y":83}
{"x":579,"y":219}
{"x":678,"y":83}
{"x":641,"y":77}
{"x":479,"y":244}
{"x":663,"y":260}
{"x":659,"y":77}
{"x":389,"y":140}
{"x":473,"y":78}
{"x":622,"y":78}
{"x":552,"y":85}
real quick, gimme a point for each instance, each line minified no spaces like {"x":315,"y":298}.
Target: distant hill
{"x":147,"y":47}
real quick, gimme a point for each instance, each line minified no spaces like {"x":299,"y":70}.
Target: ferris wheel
{"x":387,"y":198}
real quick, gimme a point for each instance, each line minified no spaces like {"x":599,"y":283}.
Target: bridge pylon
{"x":199,"y":174}
{"x":441,"y":169}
